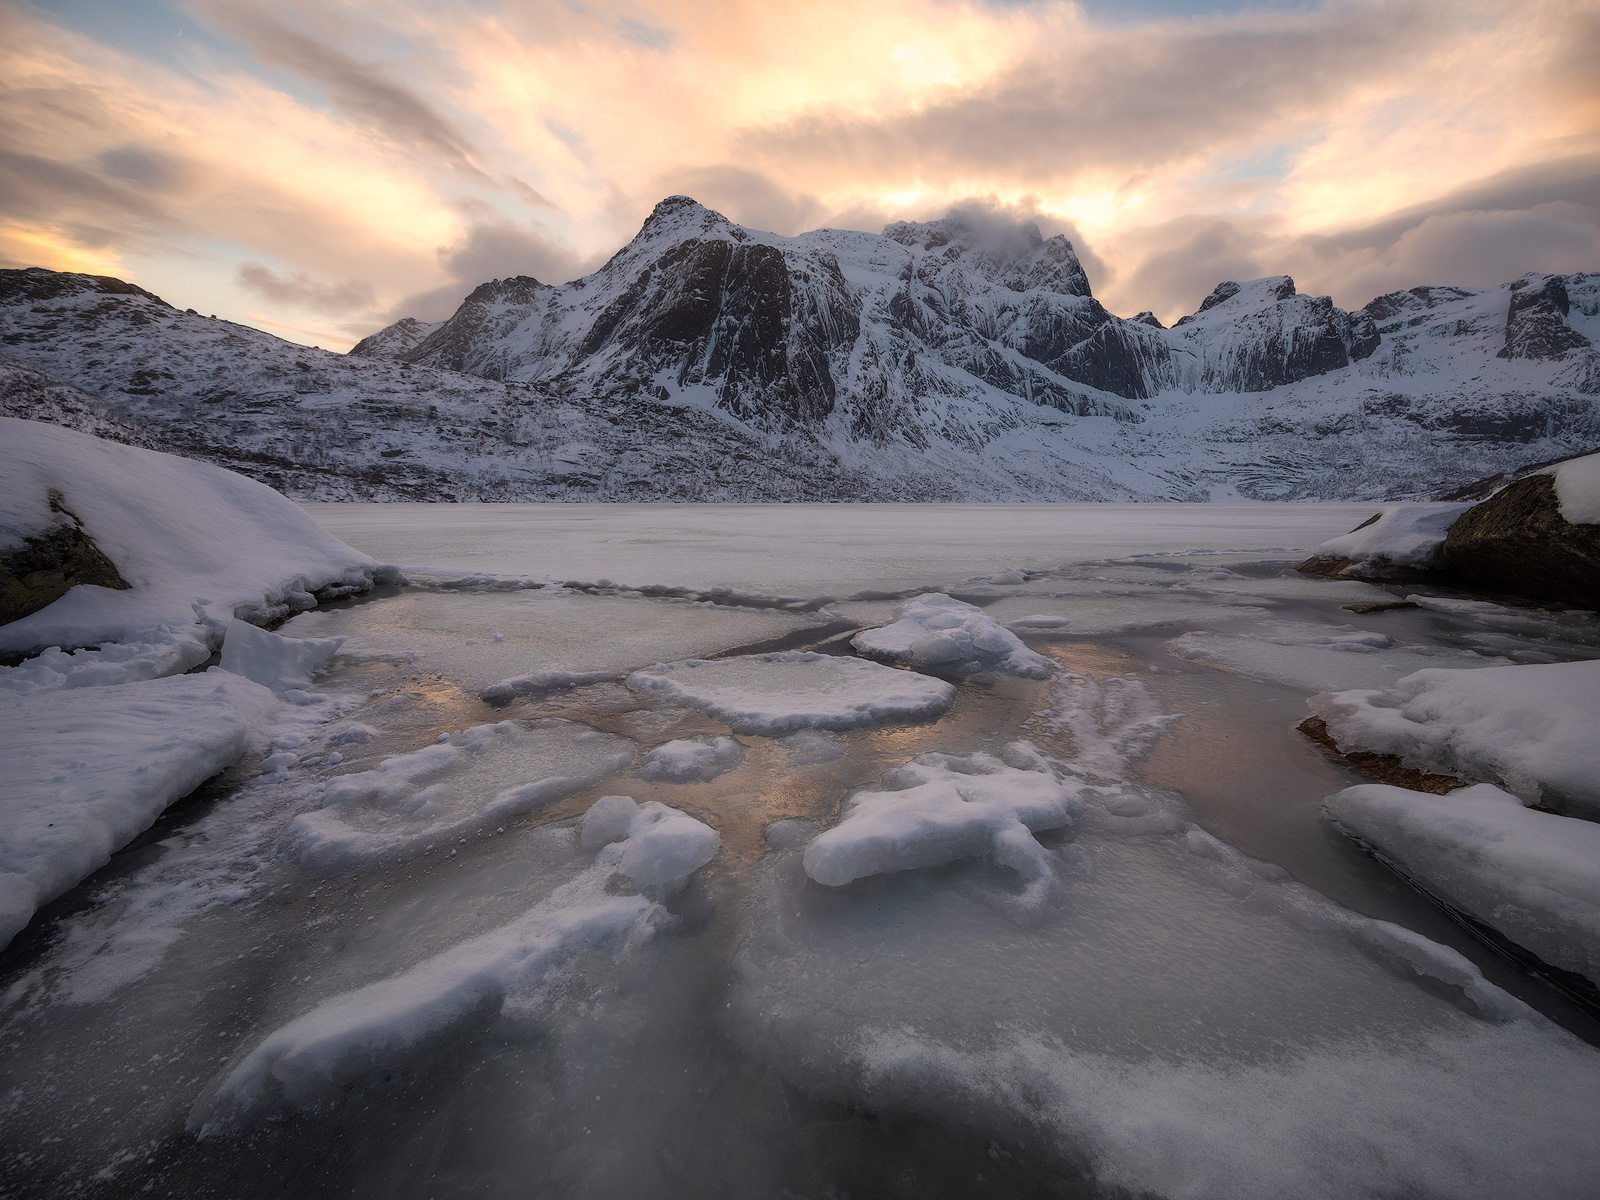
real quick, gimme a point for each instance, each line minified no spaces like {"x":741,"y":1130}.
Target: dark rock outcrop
{"x":1517,"y":541}
{"x":1536,"y":321}
{"x":48,"y":565}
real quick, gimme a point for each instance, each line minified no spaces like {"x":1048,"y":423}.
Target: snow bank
{"x":354,"y":1032}
{"x":479,"y":778}
{"x":1577,"y":483}
{"x":1532,"y":728}
{"x":90,"y":769}
{"x":939,"y":808}
{"x":773,"y":694}
{"x":692,"y":760}
{"x":276,"y":662}
{"x":197,"y":544}
{"x":165,"y":651}
{"x":1404,"y":535}
{"x":1532,"y":876}
{"x":939,"y":633}
{"x":660,"y":845}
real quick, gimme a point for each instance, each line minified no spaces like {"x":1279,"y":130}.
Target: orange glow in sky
{"x":322,"y":168}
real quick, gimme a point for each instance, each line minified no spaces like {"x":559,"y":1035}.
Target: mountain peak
{"x":685,"y":217}
{"x":1012,"y":254}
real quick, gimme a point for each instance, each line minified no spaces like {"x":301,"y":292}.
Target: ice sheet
{"x":810,"y":549}
{"x":540,"y":631}
{"x":1533,"y":876}
{"x":774,"y":694}
{"x":1532,"y":728}
{"x":351,"y":1033}
{"x":429,"y":798}
{"x":1319,"y":657}
{"x":88,"y":769}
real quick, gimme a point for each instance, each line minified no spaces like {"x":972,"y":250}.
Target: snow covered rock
{"x":477,"y":778}
{"x":87,"y":770}
{"x":936,"y":632}
{"x":392,"y":341}
{"x":692,"y":760}
{"x":1538,"y":536}
{"x":342,"y":1038}
{"x":1530,"y":727}
{"x":939,"y":808}
{"x":196,"y":545}
{"x":1532,"y":876}
{"x":278,"y":662}
{"x":774,"y":694}
{"x":1404,"y":541}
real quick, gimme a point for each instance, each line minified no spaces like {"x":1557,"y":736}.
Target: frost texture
{"x":1533,"y":876}
{"x":938,"y":633}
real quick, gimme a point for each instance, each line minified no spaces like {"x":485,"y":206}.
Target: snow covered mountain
{"x":952,"y":359}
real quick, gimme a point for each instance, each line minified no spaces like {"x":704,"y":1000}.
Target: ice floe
{"x":774,"y":694}
{"x":475,"y":779}
{"x":1530,"y":875}
{"x":349,"y":1034}
{"x":938,"y":633}
{"x":277,"y":662}
{"x":939,"y":808}
{"x":89,"y":769}
{"x":1532,"y":728}
{"x":692,"y":760}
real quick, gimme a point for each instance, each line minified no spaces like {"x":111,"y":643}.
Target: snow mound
{"x":692,"y":760}
{"x":1577,"y":483}
{"x":542,"y":681}
{"x":659,"y":846}
{"x":276,"y":662}
{"x":1404,"y":535}
{"x":357,"y":1031}
{"x":196,"y":543}
{"x":88,"y":770}
{"x":1532,"y":876}
{"x":939,"y":808}
{"x":164,"y":652}
{"x":1532,"y":728}
{"x":446,"y":791}
{"x":773,"y":694}
{"x":936,"y":632}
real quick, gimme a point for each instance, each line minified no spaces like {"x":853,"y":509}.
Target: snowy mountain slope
{"x":942,"y":360}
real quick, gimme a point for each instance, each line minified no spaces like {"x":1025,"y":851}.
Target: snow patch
{"x":692,"y":760}
{"x":1577,"y":483}
{"x":1532,"y":728}
{"x":1532,"y":876}
{"x":88,"y":770}
{"x":1404,"y":535}
{"x":936,"y":632}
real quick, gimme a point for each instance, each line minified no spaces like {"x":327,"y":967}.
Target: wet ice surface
{"x":1111,"y":949}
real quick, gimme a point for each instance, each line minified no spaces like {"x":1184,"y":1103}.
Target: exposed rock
{"x":48,"y":565}
{"x":1536,"y":321}
{"x":1517,"y":541}
{"x":1383,"y":768}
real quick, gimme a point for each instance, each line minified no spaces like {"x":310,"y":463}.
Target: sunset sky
{"x":320,"y":167}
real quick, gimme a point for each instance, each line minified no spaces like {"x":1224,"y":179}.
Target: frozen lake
{"x":1054,"y":912}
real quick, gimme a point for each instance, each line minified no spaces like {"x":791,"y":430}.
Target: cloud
{"x":489,"y":250}
{"x":297,"y":289}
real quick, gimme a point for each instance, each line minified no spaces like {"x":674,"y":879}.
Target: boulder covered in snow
{"x":135,"y":546}
{"x":1539,"y":536}
{"x":1404,"y":543}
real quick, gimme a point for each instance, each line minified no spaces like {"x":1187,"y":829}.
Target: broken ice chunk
{"x":939,"y":633}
